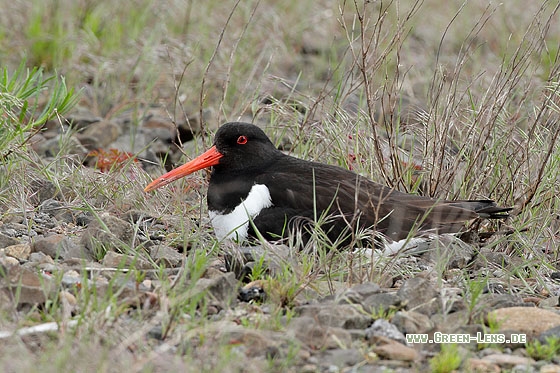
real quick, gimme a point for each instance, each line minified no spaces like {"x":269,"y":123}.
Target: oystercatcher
{"x":252,"y":180}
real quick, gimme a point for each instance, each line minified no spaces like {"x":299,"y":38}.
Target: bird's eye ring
{"x":242,"y":140}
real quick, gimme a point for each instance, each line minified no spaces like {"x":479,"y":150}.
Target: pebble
{"x":26,"y":285}
{"x":7,"y":237}
{"x":345,"y":316}
{"x":108,"y":231}
{"x":51,"y":147}
{"x":166,"y":256}
{"x":531,"y":321}
{"x":550,"y":368}
{"x":340,"y":358}
{"x":481,"y":365}
{"x":316,"y":336}
{"x":101,"y":134}
{"x":59,"y":246}
{"x":71,"y":278}
{"x":383,"y":328}
{"x":116,"y":260}
{"x":389,"y":349}
{"x":366,"y":289}
{"x":507,"y":361}
{"x":451,"y":250}
{"x":420,"y":296}
{"x":8,"y":262}
{"x":19,"y":251}
{"x":41,"y":258}
{"x":410,"y":322}
{"x":220,"y":291}
{"x":382,"y":302}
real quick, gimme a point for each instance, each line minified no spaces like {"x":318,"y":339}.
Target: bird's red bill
{"x":207,"y":159}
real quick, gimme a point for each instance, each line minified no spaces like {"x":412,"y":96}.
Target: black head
{"x":244,"y":146}
{"x":238,"y":148}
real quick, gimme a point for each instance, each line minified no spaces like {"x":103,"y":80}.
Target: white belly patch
{"x":235,"y":224}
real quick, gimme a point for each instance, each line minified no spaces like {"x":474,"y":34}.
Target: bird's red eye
{"x":242,"y":140}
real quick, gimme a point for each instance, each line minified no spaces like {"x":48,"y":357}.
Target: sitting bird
{"x":256,"y":187}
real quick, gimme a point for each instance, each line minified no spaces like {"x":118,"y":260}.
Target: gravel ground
{"x":56,"y":250}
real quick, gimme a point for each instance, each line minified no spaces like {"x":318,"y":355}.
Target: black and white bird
{"x":251,"y":180}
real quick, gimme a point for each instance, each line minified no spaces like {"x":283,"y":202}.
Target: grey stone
{"x":410,"y":322}
{"x":383,"y":328}
{"x":39,"y":257}
{"x":108,"y":231}
{"x":165,"y":255}
{"x":60,"y":246}
{"x":366,"y":289}
{"x":420,"y":295}
{"x":241,"y":259}
{"x":345,"y":316}
{"x":552,"y":332}
{"x":220,"y":290}
{"x":59,"y":143}
{"x":348,"y":296}
{"x":486,"y":258}
{"x":550,"y":302}
{"x":316,"y":336}
{"x":42,"y":189}
{"x":102,"y":133}
{"x":451,"y":250}
{"x":25,"y":286}
{"x":7,"y":241}
{"x":340,"y":358}
{"x":116,"y":260}
{"x":57,"y":210}
{"x":380,"y":302}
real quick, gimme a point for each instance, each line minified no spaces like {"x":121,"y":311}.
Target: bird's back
{"x":315,"y":189}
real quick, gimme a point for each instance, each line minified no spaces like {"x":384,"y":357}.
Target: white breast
{"x":235,"y":224}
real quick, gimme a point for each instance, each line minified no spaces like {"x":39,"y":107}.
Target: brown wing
{"x":396,"y":214}
{"x":365,"y":203}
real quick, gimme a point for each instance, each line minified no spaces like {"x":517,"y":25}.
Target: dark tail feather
{"x":489,"y":210}
{"x":486,"y":209}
